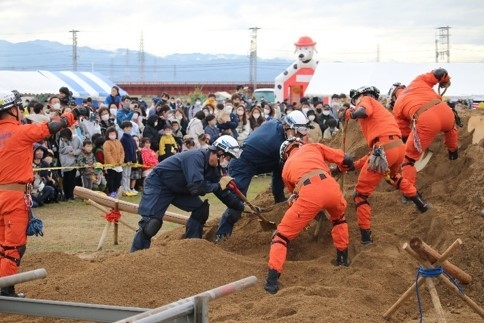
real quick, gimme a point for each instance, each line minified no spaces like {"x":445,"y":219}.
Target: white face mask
{"x":168,"y":132}
{"x":326,"y":112}
{"x":57,"y":106}
{"x":224,"y":163}
{"x":126,"y":106}
{"x":112,"y":136}
{"x":229,"y":109}
{"x":267,"y":112}
{"x":105,"y":117}
{"x":113,"y":111}
{"x":305,"y":110}
{"x":311,"y":117}
{"x":178,"y":116}
{"x":256,"y":115}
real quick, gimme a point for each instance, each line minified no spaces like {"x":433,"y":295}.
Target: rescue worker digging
{"x":421,"y":114}
{"x":180,"y":180}
{"x":261,"y":155}
{"x":16,"y":174}
{"x":383,"y":161}
{"x":308,"y":177}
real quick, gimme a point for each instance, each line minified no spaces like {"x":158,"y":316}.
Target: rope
{"x":426,"y":273}
{"x":96,"y":166}
{"x":112,"y":216}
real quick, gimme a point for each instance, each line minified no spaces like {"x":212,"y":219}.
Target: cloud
{"x":344,"y":29}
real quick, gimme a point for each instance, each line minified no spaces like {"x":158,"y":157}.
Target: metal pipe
{"x":180,"y":307}
{"x":23,"y":277}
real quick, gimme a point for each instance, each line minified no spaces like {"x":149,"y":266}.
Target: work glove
{"x":378,"y":161}
{"x":347,"y":164}
{"x":453,"y":155}
{"x":225,"y":181}
{"x":348,"y":114}
{"x":292,"y":198}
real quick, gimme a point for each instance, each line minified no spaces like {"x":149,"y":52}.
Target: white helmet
{"x":297,"y":120}
{"x":287,"y":146}
{"x":228,"y":145}
{"x":9,"y":99}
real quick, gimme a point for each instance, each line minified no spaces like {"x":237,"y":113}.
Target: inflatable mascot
{"x":292,"y":83}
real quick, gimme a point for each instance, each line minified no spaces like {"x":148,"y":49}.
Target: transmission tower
{"x":141,"y":59}
{"x":253,"y":57}
{"x":442,"y":50}
{"x":126,"y":66}
{"x":74,"y":49}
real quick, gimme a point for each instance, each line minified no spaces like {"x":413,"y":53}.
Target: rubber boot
{"x":10,"y":292}
{"x":419,"y":201}
{"x":271,"y":281}
{"x":342,"y":258}
{"x":366,"y":236}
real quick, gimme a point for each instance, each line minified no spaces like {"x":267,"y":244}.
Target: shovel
{"x":264,"y":223}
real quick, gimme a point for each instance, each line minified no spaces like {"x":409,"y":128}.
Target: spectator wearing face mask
{"x":324,"y":117}
{"x":332,"y":129}
{"x":168,"y":145}
{"x":177,"y":133}
{"x":268,"y":111}
{"x":125,"y":113}
{"x":315,"y":134}
{"x":182,"y":120}
{"x":195,"y":127}
{"x":150,"y":131}
{"x":256,"y":118}
{"x":197,"y":106}
{"x":243,"y":128}
{"x":211,"y":128}
{"x":106,"y":120}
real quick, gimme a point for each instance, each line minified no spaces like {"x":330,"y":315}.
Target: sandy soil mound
{"x":312,"y":288}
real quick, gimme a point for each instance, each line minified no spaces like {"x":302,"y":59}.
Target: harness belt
{"x":306,"y":179}
{"x":18,"y":187}
{"x":392,"y":144}
{"x":425,"y":107}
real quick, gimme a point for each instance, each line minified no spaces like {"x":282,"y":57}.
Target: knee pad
{"x":233,"y":216}
{"x":339,"y":221}
{"x":20,"y":249}
{"x":279,"y":238}
{"x":363,"y":199}
{"x":201,"y":213}
{"x":408,"y":161}
{"x":151,"y":227}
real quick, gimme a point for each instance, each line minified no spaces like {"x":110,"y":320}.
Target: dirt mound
{"x":312,"y":288}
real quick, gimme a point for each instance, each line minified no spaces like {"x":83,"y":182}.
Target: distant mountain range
{"x":123,"y":65}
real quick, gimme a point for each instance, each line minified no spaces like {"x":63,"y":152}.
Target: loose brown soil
{"x":312,"y":288}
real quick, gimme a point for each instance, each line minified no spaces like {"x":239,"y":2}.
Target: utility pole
{"x":74,"y":49}
{"x":141,"y":59}
{"x":442,"y":45}
{"x":253,"y":57}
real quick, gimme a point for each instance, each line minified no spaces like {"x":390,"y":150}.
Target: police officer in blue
{"x":260,"y":156}
{"x":180,"y":180}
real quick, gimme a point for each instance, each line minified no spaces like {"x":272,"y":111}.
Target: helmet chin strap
{"x":13,"y":115}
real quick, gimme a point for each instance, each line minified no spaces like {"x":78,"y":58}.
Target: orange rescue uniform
{"x":16,"y":144}
{"x":318,"y":191}
{"x":432,"y":119}
{"x":379,"y":128}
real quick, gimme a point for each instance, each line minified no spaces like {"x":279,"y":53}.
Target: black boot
{"x":10,"y":292}
{"x":366,"y":236}
{"x":419,"y":201}
{"x":271,"y":281}
{"x":342,"y":258}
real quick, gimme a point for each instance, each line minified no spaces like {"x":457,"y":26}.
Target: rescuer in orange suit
{"x":420,"y":112}
{"x":385,"y":158}
{"x":308,"y":177}
{"x":16,"y":174}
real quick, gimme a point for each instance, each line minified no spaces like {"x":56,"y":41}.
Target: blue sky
{"x":351,"y":31}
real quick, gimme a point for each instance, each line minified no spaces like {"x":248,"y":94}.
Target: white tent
{"x":82,"y":84}
{"x":329,"y":78}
